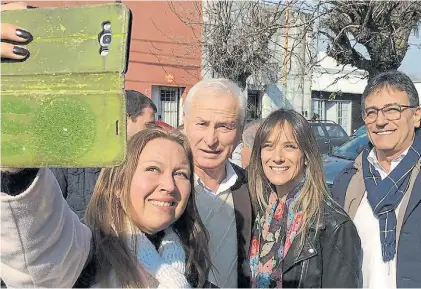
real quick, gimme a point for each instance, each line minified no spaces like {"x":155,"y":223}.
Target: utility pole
{"x":285,"y":62}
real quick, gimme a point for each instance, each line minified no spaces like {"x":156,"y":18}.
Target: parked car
{"x":361,"y":130}
{"x":328,"y":134}
{"x":342,"y":156}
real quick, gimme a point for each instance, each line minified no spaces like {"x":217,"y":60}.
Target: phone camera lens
{"x":105,"y":39}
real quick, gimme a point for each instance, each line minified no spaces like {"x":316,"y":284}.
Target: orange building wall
{"x":161,"y":45}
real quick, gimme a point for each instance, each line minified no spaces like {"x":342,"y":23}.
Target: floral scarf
{"x":272,"y":239}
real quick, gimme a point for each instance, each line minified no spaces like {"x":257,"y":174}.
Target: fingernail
{"x":23,"y":34}
{"x":20,"y":51}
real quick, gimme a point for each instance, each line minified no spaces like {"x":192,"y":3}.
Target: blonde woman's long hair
{"x":314,"y":191}
{"x":108,"y":216}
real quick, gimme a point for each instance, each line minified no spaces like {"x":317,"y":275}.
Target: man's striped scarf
{"x":385,"y":195}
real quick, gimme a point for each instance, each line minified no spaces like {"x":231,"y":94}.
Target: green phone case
{"x":65,"y":105}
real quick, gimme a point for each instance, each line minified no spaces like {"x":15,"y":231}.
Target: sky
{"x":411,"y":64}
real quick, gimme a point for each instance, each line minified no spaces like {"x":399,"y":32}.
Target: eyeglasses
{"x":390,"y":112}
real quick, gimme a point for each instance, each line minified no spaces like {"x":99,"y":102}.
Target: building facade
{"x":336,"y":92}
{"x":167,"y":59}
{"x":164,"y":62}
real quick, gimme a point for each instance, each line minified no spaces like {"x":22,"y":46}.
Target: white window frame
{"x":339,"y":115}
{"x":175,"y":119}
{"x":321,"y":108}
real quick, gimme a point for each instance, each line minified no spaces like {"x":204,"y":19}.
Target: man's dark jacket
{"x":244,"y":219}
{"x":77,"y":186}
{"x":408,"y":262}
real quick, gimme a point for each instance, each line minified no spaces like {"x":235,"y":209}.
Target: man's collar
{"x":229,"y":180}
{"x":372,"y":157}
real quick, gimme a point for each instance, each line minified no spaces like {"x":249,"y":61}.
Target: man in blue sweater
{"x":214,"y":114}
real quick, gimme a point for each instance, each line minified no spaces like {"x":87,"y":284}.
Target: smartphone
{"x":64,"y":106}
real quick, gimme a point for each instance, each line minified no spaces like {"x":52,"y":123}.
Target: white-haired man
{"x":214,"y":114}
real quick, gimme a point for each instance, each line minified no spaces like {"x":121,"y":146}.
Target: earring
{"x":305,"y":162}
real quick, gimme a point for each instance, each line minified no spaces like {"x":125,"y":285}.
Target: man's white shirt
{"x":376,"y":272}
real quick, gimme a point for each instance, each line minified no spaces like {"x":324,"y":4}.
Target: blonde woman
{"x":142,"y":227}
{"x":301,"y":237}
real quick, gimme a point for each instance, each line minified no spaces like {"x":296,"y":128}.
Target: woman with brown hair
{"x":142,"y":227}
{"x":301,"y":237}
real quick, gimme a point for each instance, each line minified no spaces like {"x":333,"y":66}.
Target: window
{"x":318,"y":108}
{"x":352,"y":148}
{"x":169,"y":101}
{"x":253,"y":105}
{"x":318,"y":130}
{"x":343,"y":114}
{"x":335,"y":130}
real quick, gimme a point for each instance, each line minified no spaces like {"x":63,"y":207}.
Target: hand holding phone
{"x":65,"y":105}
{"x":9,"y":33}
{"x":14,"y":37}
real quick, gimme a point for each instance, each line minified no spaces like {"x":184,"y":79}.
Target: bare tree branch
{"x":240,"y":39}
{"x":382,"y":27}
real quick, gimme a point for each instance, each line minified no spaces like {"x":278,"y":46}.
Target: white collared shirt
{"x":376,"y":272}
{"x":226,"y":183}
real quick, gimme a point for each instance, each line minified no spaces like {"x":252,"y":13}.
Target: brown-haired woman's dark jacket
{"x":330,"y":258}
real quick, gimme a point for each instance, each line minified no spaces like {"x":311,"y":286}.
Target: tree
{"x":381,"y":27}
{"x":245,"y":38}
{"x":240,"y":39}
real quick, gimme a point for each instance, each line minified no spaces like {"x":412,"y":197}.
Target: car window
{"x":360,"y":131}
{"x":350,"y":149}
{"x":335,"y":130}
{"x":318,"y":131}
